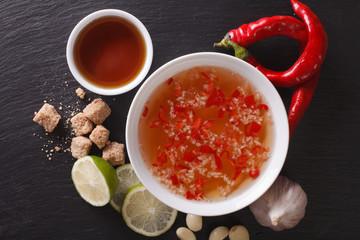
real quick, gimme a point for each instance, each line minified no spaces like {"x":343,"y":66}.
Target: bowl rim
{"x":231,"y":204}
{"x":85,"y":22}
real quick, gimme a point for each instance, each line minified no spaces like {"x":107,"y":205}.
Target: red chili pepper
{"x":310,"y":59}
{"x":248,"y":34}
{"x":199,"y":181}
{"x":235,"y":94}
{"x":252,"y":129}
{"x":250,"y":100}
{"x":264,"y":28}
{"x":217,"y":97}
{"x":197,"y":123}
{"x":254,"y":173}
{"x":207,"y":124}
{"x":189,"y":156}
{"x":313,"y":56}
{"x":174,"y":179}
{"x":160,"y":160}
{"x":218,"y":162}
{"x":179,"y":166}
{"x":221,"y":112}
{"x":300,"y":101}
{"x":263,"y":107}
{"x":304,"y":74}
{"x":189,"y":195}
{"x":206,"y":149}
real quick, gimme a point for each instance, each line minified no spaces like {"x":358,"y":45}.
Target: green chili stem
{"x":239,"y":51}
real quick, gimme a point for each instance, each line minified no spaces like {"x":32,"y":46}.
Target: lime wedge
{"x":145,"y":214}
{"x":94,"y":179}
{"x":127,"y":179}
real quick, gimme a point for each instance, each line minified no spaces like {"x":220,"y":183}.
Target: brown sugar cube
{"x":114,"y":153}
{"x":81,"y":124}
{"x":99,"y":136}
{"x":47,"y":117}
{"x":80,"y":146}
{"x":97,"y":111}
{"x":80,"y":93}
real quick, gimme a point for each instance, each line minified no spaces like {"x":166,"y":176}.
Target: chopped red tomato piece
{"x":254,"y":173}
{"x":252,"y":129}
{"x":250,"y":100}
{"x":263,"y":107}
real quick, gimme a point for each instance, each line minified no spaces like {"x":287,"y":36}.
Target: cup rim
{"x":86,"y":21}
{"x":258,"y":186}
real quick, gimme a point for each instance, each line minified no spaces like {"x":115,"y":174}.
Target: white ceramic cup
{"x":86,"y":21}
{"x":244,"y":195}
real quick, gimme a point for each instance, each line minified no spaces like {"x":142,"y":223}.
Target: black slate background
{"x":37,"y":198}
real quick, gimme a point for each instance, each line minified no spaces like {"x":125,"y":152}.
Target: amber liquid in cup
{"x":110,"y":52}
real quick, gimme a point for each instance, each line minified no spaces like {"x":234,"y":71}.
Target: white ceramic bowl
{"x":243,"y":196}
{"x":86,"y":21}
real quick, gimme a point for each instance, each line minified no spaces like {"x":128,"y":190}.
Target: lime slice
{"x":145,"y":214}
{"x":127,"y":178}
{"x":94,"y":179}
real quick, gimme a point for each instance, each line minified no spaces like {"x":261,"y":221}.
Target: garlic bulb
{"x":282,"y":206}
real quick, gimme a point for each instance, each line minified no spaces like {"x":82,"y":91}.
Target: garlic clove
{"x":238,"y":232}
{"x":282,"y":206}
{"x":219,"y":233}
{"x":184,"y":233}
{"x":194,"y":222}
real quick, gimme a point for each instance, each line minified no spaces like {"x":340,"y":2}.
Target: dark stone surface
{"x":37,"y":198}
